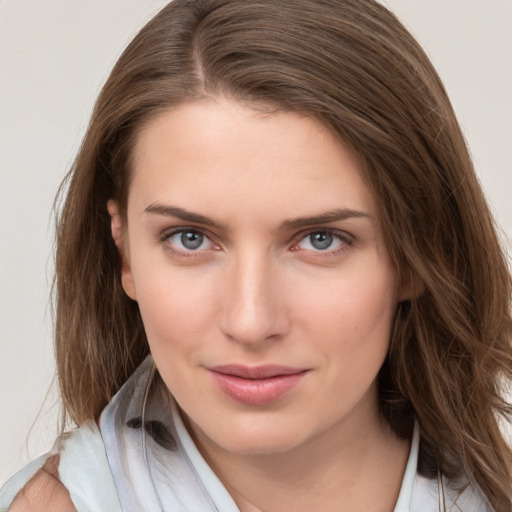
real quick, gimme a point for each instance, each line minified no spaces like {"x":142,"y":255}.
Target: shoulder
{"x":44,"y":491}
{"x":75,"y":475}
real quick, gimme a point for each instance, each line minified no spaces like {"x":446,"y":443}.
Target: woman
{"x":275,"y":201}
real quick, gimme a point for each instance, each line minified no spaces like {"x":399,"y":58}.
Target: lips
{"x":258,"y":385}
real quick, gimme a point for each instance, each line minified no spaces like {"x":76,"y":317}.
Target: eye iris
{"x":191,"y":240}
{"x":321,"y":240}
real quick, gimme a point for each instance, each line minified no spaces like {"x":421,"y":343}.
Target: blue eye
{"x":189,"y":240}
{"x":321,"y":241}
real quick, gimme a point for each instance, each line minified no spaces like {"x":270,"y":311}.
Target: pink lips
{"x":258,"y":385}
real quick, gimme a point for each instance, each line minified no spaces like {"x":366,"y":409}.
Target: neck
{"x":356,"y":467}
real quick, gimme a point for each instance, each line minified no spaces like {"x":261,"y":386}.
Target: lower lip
{"x":256,"y":391}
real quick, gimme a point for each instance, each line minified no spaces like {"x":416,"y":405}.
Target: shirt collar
{"x":404,"y":498}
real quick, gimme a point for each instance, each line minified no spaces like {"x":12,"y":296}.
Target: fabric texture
{"x":142,"y":458}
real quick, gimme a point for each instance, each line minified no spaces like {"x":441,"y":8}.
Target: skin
{"x":44,"y":492}
{"x":259,"y":290}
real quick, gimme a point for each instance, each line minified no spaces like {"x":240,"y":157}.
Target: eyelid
{"x":344,"y":236}
{"x":333,"y":231}
{"x":170,"y":232}
{"x":167,"y":233}
{"x":347,"y":239}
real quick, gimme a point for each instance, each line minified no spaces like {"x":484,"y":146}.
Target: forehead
{"x":224,"y":156}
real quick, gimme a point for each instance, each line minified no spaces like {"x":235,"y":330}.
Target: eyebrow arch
{"x":181,"y":213}
{"x":323,"y":218}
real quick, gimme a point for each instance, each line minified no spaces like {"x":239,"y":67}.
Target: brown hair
{"x":354,"y":67}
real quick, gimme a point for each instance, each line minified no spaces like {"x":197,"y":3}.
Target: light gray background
{"x":54,"y":56}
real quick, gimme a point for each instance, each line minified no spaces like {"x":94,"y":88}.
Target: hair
{"x":351,"y":65}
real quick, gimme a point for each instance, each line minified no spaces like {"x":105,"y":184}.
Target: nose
{"x":254,"y":310}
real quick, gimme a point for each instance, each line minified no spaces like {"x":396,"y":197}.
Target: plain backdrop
{"x":54,"y":57}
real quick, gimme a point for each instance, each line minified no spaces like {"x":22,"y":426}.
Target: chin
{"x":256,"y":438}
{"x":262,"y":445}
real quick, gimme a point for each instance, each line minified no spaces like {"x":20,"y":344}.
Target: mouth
{"x":258,"y":385}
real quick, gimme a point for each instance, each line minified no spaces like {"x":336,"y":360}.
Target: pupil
{"x":191,"y":240}
{"x":321,"y":240}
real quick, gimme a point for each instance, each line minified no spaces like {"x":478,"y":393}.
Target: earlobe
{"x":121,"y":242}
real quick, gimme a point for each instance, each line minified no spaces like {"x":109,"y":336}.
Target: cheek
{"x":176,"y":307}
{"x":357,"y":301}
{"x":350,"y":319}
{"x":352,"y":332}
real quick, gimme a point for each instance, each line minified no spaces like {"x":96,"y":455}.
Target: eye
{"x":323,"y":241}
{"x":188,"y":240}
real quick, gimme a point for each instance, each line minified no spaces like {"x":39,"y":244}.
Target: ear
{"x":121,"y":241}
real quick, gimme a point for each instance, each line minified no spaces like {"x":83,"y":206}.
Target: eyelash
{"x":167,"y":235}
{"x":345,"y":238}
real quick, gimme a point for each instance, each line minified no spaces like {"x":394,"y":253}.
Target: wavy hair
{"x":354,"y":67}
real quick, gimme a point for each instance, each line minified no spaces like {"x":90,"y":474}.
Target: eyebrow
{"x":181,"y":213}
{"x":323,"y":218}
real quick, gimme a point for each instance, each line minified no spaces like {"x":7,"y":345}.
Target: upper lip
{"x":256,"y":372}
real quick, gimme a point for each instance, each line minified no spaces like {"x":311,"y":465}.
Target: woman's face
{"x":254,"y":250}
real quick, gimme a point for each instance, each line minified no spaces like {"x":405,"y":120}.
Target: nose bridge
{"x":253,"y":309}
